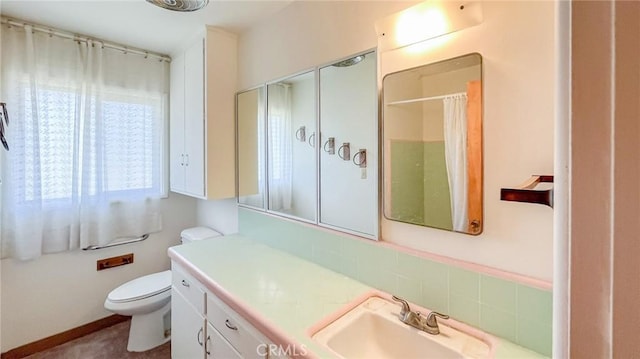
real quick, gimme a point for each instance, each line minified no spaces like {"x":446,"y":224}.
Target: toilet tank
{"x":197,"y":234}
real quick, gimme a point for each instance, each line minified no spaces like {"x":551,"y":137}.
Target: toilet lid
{"x":142,"y":287}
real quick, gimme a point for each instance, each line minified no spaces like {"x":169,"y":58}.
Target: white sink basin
{"x":372,"y":330}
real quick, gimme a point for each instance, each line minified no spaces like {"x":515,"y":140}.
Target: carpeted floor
{"x":108,"y":343}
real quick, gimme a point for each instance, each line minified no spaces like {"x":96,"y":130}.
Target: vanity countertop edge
{"x":258,"y":282}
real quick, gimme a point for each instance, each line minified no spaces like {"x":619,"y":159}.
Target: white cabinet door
{"x":194,"y":125}
{"x":176,"y":126}
{"x":218,"y":347}
{"x":187,"y":329}
{"x":203,"y":143}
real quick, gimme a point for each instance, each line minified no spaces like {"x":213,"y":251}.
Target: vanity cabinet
{"x":202,"y":129}
{"x":187,"y":328}
{"x":188,"y":324}
{"x":202,"y":326}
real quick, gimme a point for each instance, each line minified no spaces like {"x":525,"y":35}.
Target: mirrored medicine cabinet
{"x":432,"y":145}
{"x":349,"y":151}
{"x":291,"y":154}
{"x":308,"y":146}
{"x":250,"y":139}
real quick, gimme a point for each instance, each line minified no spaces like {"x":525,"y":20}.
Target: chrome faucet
{"x":416,"y":320}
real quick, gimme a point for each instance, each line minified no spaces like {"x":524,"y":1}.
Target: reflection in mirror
{"x":250,"y":122}
{"x":432,"y":130}
{"x":291,"y":119}
{"x":349,"y":145}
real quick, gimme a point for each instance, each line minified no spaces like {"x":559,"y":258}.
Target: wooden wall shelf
{"x":526,"y":192}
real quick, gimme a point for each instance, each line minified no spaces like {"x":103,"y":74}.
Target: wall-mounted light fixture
{"x":425,"y":21}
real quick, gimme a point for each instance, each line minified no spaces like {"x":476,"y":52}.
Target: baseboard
{"x":61,"y":338}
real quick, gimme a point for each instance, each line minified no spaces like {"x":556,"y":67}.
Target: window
{"x":124,"y":149}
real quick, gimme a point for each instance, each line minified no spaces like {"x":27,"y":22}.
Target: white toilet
{"x":148,"y":301}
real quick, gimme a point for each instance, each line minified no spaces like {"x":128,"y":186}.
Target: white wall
{"x":57,"y":292}
{"x":306,"y":34}
{"x":516,"y":40}
{"x":221,"y":215}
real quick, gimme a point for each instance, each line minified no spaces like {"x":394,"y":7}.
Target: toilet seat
{"x":140,"y":288}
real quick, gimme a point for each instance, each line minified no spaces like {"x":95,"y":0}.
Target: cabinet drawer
{"x":189,"y":287}
{"x":237,"y":331}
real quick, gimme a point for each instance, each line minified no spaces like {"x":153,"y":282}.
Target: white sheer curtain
{"x":280,"y":146}
{"x":86,"y":162}
{"x":455,"y":147}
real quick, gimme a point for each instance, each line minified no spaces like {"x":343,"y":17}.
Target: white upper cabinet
{"x":202,"y":130}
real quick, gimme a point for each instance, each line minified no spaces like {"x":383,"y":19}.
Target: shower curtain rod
{"x":426,"y":98}
{"x":82,"y":38}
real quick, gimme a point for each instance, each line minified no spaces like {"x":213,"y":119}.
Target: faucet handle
{"x":405,"y":306}
{"x":431,"y":318}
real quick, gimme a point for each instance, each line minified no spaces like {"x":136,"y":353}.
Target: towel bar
{"x":526,"y":192}
{"x":133,"y":240}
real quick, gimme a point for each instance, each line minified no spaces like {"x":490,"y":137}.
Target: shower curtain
{"x":280,"y":147}
{"x":455,"y":146}
{"x":87,"y":129}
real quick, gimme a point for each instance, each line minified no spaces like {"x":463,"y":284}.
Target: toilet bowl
{"x":147,"y":300}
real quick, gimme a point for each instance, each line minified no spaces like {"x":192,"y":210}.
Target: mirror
{"x":250,"y":132}
{"x":432,"y":145}
{"x":349,"y":145}
{"x":291,"y":142}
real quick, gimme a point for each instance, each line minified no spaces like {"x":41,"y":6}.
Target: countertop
{"x":280,"y":294}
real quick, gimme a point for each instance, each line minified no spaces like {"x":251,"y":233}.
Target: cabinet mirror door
{"x":291,"y":142}
{"x":349,"y":145}
{"x":251,"y":158}
{"x":433,"y":145}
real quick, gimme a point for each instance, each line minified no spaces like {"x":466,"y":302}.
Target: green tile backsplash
{"x":510,"y":310}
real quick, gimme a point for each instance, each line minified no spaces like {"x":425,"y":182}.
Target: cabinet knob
{"x":185,"y":283}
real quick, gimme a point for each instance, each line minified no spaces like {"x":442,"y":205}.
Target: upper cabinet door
{"x":291,"y":150}
{"x":194,"y":123}
{"x":349,"y":145}
{"x":202,"y":117}
{"x":176,"y":125}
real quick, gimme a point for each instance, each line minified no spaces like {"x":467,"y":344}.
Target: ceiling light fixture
{"x":180,"y":5}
